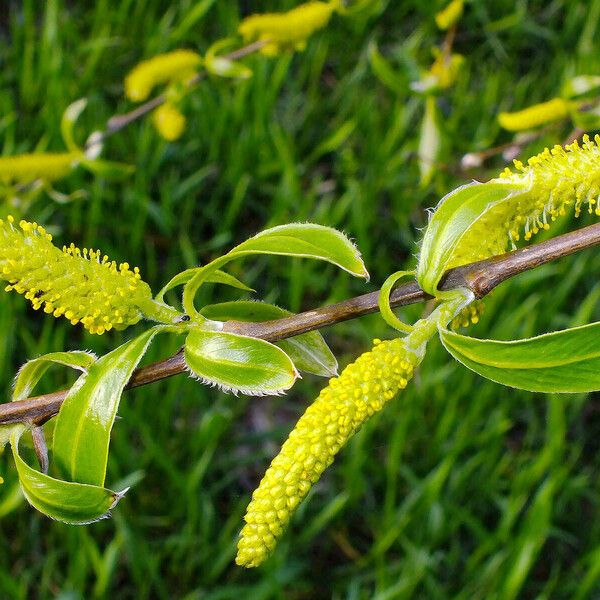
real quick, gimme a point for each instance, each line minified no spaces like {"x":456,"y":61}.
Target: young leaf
{"x":565,"y":361}
{"x":222,"y":66}
{"x":430,"y":141}
{"x":238,"y":363}
{"x":86,"y":417}
{"x":67,"y":122}
{"x":73,"y":503}
{"x":386,"y":74}
{"x":309,"y":351}
{"x":580,"y":85}
{"x":453,"y":216}
{"x":306,"y":240}
{"x":108,"y":169}
{"x":32,"y":371}
{"x":214,"y":277}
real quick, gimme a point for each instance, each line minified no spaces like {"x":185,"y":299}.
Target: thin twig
{"x":480,"y":277}
{"x":118,"y":122}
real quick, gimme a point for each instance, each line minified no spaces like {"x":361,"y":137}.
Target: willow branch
{"x":118,"y":122}
{"x":480,"y":277}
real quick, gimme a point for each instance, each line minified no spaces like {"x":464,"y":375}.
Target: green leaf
{"x":430,"y":141}
{"x":308,"y":351}
{"x":334,"y":141}
{"x":580,"y":85}
{"x":214,"y":277}
{"x":587,"y":119}
{"x":238,"y":363}
{"x":385,"y":72}
{"x":73,"y":503}
{"x":68,"y":120}
{"x":306,"y":240}
{"x":454,"y":215}
{"x":222,"y":66}
{"x":32,"y":371}
{"x":108,"y":169}
{"x":565,"y":361}
{"x":86,"y":417}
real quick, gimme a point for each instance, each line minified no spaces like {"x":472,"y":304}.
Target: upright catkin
{"x":81,"y":285}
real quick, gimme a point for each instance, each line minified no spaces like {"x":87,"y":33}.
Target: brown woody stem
{"x":480,"y":277}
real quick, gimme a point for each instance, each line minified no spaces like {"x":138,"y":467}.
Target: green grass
{"x":460,"y":488}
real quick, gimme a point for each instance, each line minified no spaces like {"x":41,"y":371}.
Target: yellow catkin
{"x":534,"y":116}
{"x":48,"y":166}
{"x":287,"y":30}
{"x":176,"y":66}
{"x":168,"y":121}
{"x":468,"y":315}
{"x":81,"y":285}
{"x":449,"y":15}
{"x":553,"y":182}
{"x":445,"y":69}
{"x":341,"y":408}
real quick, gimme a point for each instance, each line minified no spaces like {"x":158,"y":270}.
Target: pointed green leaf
{"x":385,"y":72}
{"x":238,"y":363}
{"x":306,"y":240}
{"x":32,"y":371}
{"x":565,"y":361}
{"x":580,"y":85}
{"x":214,"y":277}
{"x":430,"y":141}
{"x":453,"y":216}
{"x":73,"y":503}
{"x":68,"y":120}
{"x":222,"y":66}
{"x":86,"y":417}
{"x":108,"y":169}
{"x":309,"y":351}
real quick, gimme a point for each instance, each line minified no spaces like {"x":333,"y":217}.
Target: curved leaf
{"x":32,"y":371}
{"x":238,"y":363}
{"x":309,"y":351}
{"x":86,"y":417}
{"x":306,"y":240}
{"x":565,"y":361}
{"x":453,"y":216}
{"x":73,"y":503}
{"x":215,"y":277}
{"x":68,"y":120}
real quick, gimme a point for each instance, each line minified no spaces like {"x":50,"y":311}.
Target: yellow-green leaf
{"x":238,"y":363}
{"x":73,"y":503}
{"x":86,"y":417}
{"x":565,"y":361}
{"x":309,"y":351}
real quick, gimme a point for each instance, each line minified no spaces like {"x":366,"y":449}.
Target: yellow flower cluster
{"x":450,"y":14}
{"x":534,"y":116}
{"x":25,"y":168}
{"x":341,"y":408}
{"x":551,"y":183}
{"x":172,"y":67}
{"x":83,"y":286}
{"x":287,"y":30}
{"x":468,"y":315}
{"x":168,"y":121}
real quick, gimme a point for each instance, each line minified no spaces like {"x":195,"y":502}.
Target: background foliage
{"x":461,"y":488}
